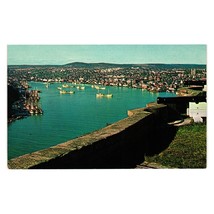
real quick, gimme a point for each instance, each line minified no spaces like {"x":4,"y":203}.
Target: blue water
{"x":67,"y":116}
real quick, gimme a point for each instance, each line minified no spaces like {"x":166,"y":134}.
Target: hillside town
{"x":154,"y":77}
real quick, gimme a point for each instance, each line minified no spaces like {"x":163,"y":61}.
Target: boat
{"x":60,"y":88}
{"x":80,"y":87}
{"x":100,"y":95}
{"x":65,"y":85}
{"x":109,"y":95}
{"x":99,"y":88}
{"x":62,"y":92}
{"x":66,"y":92}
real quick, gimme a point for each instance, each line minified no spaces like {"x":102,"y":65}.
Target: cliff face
{"x":13,"y":95}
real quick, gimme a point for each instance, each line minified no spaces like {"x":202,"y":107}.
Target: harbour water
{"x":67,"y":116}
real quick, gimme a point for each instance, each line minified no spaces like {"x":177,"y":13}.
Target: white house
{"x":197,"y":111}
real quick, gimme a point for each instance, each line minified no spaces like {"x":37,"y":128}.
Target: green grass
{"x":187,"y":150}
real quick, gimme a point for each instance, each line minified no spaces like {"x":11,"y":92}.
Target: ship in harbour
{"x":66,"y":92}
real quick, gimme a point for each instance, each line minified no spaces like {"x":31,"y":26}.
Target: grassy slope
{"x":187,"y":150}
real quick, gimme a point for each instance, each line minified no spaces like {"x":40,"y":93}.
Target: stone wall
{"x":120,"y":145}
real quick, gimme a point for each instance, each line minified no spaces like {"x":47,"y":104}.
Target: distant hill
{"x":101,"y":65}
{"x":155,"y":66}
{"x":95,"y":65}
{"x":177,"y":66}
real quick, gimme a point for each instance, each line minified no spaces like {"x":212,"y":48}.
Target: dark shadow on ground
{"x":125,"y":150}
{"x":160,"y":139}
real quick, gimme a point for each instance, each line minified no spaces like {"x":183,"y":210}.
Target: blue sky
{"x":124,"y":54}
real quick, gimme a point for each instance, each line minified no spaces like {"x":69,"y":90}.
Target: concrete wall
{"x":120,"y":145}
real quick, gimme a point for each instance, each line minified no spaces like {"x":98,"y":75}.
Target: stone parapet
{"x":119,"y":145}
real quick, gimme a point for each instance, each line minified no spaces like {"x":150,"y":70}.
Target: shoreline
{"x":25,"y":106}
{"x":24,"y":113}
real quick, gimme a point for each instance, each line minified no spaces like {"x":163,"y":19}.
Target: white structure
{"x":197,"y":111}
{"x":205,"y":88}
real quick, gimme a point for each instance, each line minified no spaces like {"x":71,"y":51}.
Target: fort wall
{"x":119,"y":145}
